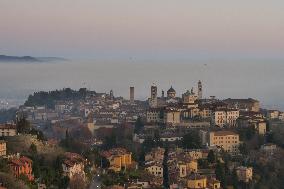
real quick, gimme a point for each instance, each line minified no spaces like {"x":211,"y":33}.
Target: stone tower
{"x":111,"y":94}
{"x":199,"y":92}
{"x":153,"y":98}
{"x":131,"y":94}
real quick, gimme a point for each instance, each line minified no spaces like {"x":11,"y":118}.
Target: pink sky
{"x":87,"y":28}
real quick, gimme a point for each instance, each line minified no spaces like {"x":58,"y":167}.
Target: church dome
{"x":171,"y":90}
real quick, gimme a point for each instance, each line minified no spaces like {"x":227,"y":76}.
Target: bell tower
{"x":199,"y":92}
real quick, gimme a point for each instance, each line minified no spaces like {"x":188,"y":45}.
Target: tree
{"x":166,"y":169}
{"x":243,"y":149}
{"x":9,"y":181}
{"x":220,"y":174}
{"x":64,"y":182}
{"x":39,"y":134}
{"x":235,"y":179}
{"x":23,"y":125}
{"x":139,"y":125}
{"x":191,"y":140}
{"x":211,"y":157}
{"x":33,"y":149}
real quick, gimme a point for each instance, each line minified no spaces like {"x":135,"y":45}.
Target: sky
{"x":146,"y":29}
{"x":236,"y":47}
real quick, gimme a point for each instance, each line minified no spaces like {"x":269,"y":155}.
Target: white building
{"x":222,"y":117}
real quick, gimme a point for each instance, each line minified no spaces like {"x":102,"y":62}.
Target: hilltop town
{"x":85,"y":139}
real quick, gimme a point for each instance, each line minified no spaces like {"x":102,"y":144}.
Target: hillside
{"x":27,"y":59}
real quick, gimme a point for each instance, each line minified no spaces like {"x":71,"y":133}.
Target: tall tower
{"x":153,"y":99}
{"x":154,"y":92}
{"x":199,"y":92}
{"x":111,"y":94}
{"x":131,"y":94}
{"x":163,"y":94}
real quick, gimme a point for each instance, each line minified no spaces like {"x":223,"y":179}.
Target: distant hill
{"x":51,"y":59}
{"x":5,"y":58}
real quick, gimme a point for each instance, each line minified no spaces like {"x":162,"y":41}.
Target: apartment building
{"x":228,"y":117}
{"x":227,"y":140}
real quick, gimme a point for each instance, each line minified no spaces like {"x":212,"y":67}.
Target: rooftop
{"x":224,"y":133}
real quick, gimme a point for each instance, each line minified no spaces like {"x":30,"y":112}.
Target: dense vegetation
{"x":48,"y":99}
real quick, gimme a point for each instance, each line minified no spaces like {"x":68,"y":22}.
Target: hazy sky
{"x":173,"y":28}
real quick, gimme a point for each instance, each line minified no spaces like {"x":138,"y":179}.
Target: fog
{"x":260,"y":79}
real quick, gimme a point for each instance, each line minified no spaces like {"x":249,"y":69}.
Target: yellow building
{"x":227,"y":140}
{"x":195,"y":154}
{"x":205,"y":112}
{"x":213,"y":183}
{"x":155,"y":168}
{"x":2,"y":148}
{"x":172,"y":116}
{"x":191,"y":166}
{"x":197,"y":182}
{"x":261,"y":127}
{"x":118,"y":158}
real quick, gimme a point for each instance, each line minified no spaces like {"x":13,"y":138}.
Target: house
{"x":213,"y":183}
{"x":227,"y":140}
{"x":172,"y":116}
{"x":8,"y":130}
{"x":252,"y":119}
{"x":225,"y":117}
{"x":155,"y":168}
{"x":268,"y":148}
{"x":196,"y":181}
{"x":22,"y":166}
{"x":73,"y":164}
{"x":156,"y":154}
{"x":153,"y":115}
{"x":118,"y":158}
{"x":2,"y":148}
{"x":244,"y":174}
{"x":196,"y":154}
{"x":243,"y":104}
{"x":273,"y":114}
{"x":261,"y":127}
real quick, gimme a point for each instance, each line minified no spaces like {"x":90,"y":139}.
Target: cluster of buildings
{"x":191,"y":109}
{"x":182,"y":168}
{"x":21,"y":166}
{"x":168,"y":116}
{"x":8,"y":129}
{"x":95,"y":111}
{"x":224,"y":140}
{"x":118,"y":158}
{"x":73,"y":164}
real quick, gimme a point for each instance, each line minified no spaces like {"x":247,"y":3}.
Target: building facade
{"x":227,"y":140}
{"x":22,"y":166}
{"x":225,"y":117}
{"x":3,"y":149}
{"x":244,"y":174}
{"x":8,"y":130}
